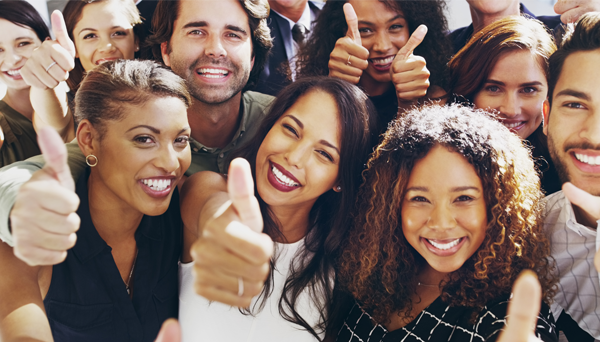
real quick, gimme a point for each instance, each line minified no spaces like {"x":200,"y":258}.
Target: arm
{"x":51,"y":110}
{"x":571,"y":10}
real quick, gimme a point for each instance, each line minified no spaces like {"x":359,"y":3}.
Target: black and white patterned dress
{"x":440,"y":322}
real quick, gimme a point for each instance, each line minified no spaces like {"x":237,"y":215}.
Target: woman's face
{"x":102,"y":34}
{"x":383,"y":32}
{"x":516,"y":88}
{"x":16,"y":45}
{"x":444,"y":215}
{"x":298,"y":160}
{"x":142,"y":157}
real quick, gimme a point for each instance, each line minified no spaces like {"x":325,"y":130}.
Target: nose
{"x":511,"y":105}
{"x":106,"y":45}
{"x":298,"y":154}
{"x":441,"y":218}
{"x":383,"y":43}
{"x":214,"y":47}
{"x":167,"y":159}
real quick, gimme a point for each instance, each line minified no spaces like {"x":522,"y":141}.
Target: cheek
{"x":400,"y":39}
{"x":484,"y":102}
{"x":127,"y":47}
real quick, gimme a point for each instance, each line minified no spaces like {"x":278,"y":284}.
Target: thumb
{"x":240,"y":187}
{"x":55,"y":154}
{"x":352,"y":21}
{"x":169,"y":332}
{"x":60,"y":31}
{"x":523,"y":309}
{"x":589,"y":203}
{"x":413,"y":42}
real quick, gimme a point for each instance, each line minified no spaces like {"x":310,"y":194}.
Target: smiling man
{"x":572,"y":123}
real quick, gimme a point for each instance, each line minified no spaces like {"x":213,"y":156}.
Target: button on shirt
{"x":574,"y":247}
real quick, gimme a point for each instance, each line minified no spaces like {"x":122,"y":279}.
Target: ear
{"x":546,"y":113}
{"x":164,"y":50}
{"x":87,"y":138}
{"x":137,"y":43}
{"x":337,"y":187}
{"x":252,"y":62}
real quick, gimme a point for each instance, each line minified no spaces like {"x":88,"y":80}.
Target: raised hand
{"x":523,"y":310}
{"x":43,"y":219}
{"x":409,"y":72}
{"x":349,"y":58}
{"x":51,"y":62}
{"x":571,"y":10}
{"x":589,"y":203}
{"x":169,"y":332}
{"x":231,"y":257}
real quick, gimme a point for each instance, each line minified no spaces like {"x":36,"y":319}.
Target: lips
{"x":158,"y":187}
{"x":586,"y":160}
{"x":445,"y":247}
{"x":382,"y":64}
{"x":214,"y":73}
{"x":15,"y":74}
{"x":104,"y":60}
{"x":281,"y":179}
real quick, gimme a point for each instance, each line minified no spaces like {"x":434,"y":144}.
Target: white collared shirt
{"x":306,"y":20}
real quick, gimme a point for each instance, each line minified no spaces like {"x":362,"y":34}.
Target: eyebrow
{"x":527,"y":84}
{"x":156,"y":130}
{"x":456,"y":189}
{"x":574,"y":93}
{"x":364,"y":22}
{"x":93,"y":29}
{"x":203,"y":23}
{"x":324,"y":142}
{"x":24,"y":37}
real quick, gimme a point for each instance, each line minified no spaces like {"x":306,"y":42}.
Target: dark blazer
{"x":275,"y":74}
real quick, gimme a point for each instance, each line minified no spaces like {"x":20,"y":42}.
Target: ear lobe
{"x":546,"y":113}
{"x":164,"y":50}
{"x":337,"y":188}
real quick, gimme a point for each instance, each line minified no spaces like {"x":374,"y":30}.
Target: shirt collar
{"x":568,"y":215}
{"x":305,"y":19}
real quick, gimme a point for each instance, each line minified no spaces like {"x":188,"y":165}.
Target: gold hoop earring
{"x":87,"y":160}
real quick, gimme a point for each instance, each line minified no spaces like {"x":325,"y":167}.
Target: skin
{"x":291,"y":9}
{"x":16,"y":46}
{"x":516,"y":88}
{"x":485,"y":12}
{"x":103,"y":33}
{"x":215,"y":35}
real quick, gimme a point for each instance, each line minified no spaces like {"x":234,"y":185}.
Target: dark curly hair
{"x":379,"y":267}
{"x":331,"y":25}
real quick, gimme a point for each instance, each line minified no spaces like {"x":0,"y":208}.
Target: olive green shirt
{"x":20,"y":139}
{"x":253,"y":108}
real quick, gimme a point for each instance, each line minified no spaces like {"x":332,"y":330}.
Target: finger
{"x":31,"y":79}
{"x":413,"y":42}
{"x":169,"y":332}
{"x":225,"y":297}
{"x":572,"y":15}
{"x":240,"y":187}
{"x":55,"y":155}
{"x":36,"y":197}
{"x":211,"y":277}
{"x":37,"y":236}
{"x":60,"y":32}
{"x":561,"y":6}
{"x":209,"y":254}
{"x":36,"y":256}
{"x":523,"y":308}
{"x":37,"y":65}
{"x":589,"y":203}
{"x":352,"y":21}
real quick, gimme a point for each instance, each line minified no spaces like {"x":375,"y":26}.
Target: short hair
{"x":584,"y":37}
{"x":106,"y":89}
{"x":72,"y":14}
{"x":472,"y":65}
{"x":167,"y":11}
{"x":21,"y":13}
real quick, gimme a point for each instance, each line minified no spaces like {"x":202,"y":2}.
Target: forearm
{"x":51,"y":109}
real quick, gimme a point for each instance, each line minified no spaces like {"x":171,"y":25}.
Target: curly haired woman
{"x":371,"y":43}
{"x":448,"y":217}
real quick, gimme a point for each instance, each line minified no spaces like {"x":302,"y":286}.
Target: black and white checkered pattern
{"x":440,"y":322}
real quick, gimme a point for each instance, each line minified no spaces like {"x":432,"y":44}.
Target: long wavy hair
{"x":312,"y":269}
{"x":331,"y":25}
{"x":379,"y":267}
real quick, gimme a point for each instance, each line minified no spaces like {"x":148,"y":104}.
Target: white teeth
{"x":590,"y":160}
{"x":14,"y":72}
{"x":283,"y":178}
{"x":383,"y":61}
{"x":444,"y":246}
{"x":513,"y":125}
{"x":213,"y":73}
{"x":157,"y":184}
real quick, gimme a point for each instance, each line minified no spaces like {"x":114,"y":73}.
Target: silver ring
{"x":240,"y":286}
{"x":50,"y":66}
{"x":348,"y":62}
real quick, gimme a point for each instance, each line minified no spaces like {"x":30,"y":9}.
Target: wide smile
{"x":213,"y":74}
{"x":281,"y":179}
{"x":586,"y":160}
{"x":104,"y":60}
{"x":158,"y":187}
{"x":514,"y":125}
{"x":444,"y":247}
{"x":382,"y":64}
{"x":15,"y":74}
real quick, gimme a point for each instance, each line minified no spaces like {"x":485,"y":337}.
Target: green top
{"x":253,"y":107}
{"x":20,"y":139}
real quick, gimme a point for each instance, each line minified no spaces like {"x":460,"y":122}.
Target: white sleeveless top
{"x":202,"y":320}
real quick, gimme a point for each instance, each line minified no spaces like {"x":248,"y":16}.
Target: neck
{"x":293,"y":13}
{"x":429,"y":276}
{"x":373,"y":87}
{"x":584,"y":218}
{"x":481,"y":20}
{"x":18,"y":99}
{"x":293,"y":221}
{"x":214,"y":125}
{"x":115,"y":220}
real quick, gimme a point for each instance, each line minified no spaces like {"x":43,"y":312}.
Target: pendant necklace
{"x":131,"y":272}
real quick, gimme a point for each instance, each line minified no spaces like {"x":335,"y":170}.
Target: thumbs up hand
{"x":232,"y":255}
{"x":409,"y":72}
{"x":349,"y":58}
{"x":44,"y":219}
{"x":51,"y":62}
{"x":170,"y":331}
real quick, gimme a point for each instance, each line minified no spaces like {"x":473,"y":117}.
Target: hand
{"x":409,"y":72}
{"x":571,"y":10}
{"x":169,"y":332}
{"x":590,"y":204}
{"x":349,"y":58}
{"x":51,"y":62}
{"x":232,"y":248}
{"x":43,"y":219}
{"x":523,"y":310}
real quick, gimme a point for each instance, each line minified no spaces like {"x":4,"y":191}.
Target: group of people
{"x":299,"y":171}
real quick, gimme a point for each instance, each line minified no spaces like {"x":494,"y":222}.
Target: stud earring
{"x":87,"y":160}
{"x":338,"y":188}
{"x":137,"y":48}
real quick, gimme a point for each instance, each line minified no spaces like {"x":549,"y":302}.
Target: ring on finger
{"x":240,"y":286}
{"x":348,"y":61}
{"x":50,"y":66}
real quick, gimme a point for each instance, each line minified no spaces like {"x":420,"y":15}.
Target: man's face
{"x":211,"y":48}
{"x":573,"y":125}
{"x":494,"y":7}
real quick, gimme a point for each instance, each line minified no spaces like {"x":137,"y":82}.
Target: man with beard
{"x":572,"y":124}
